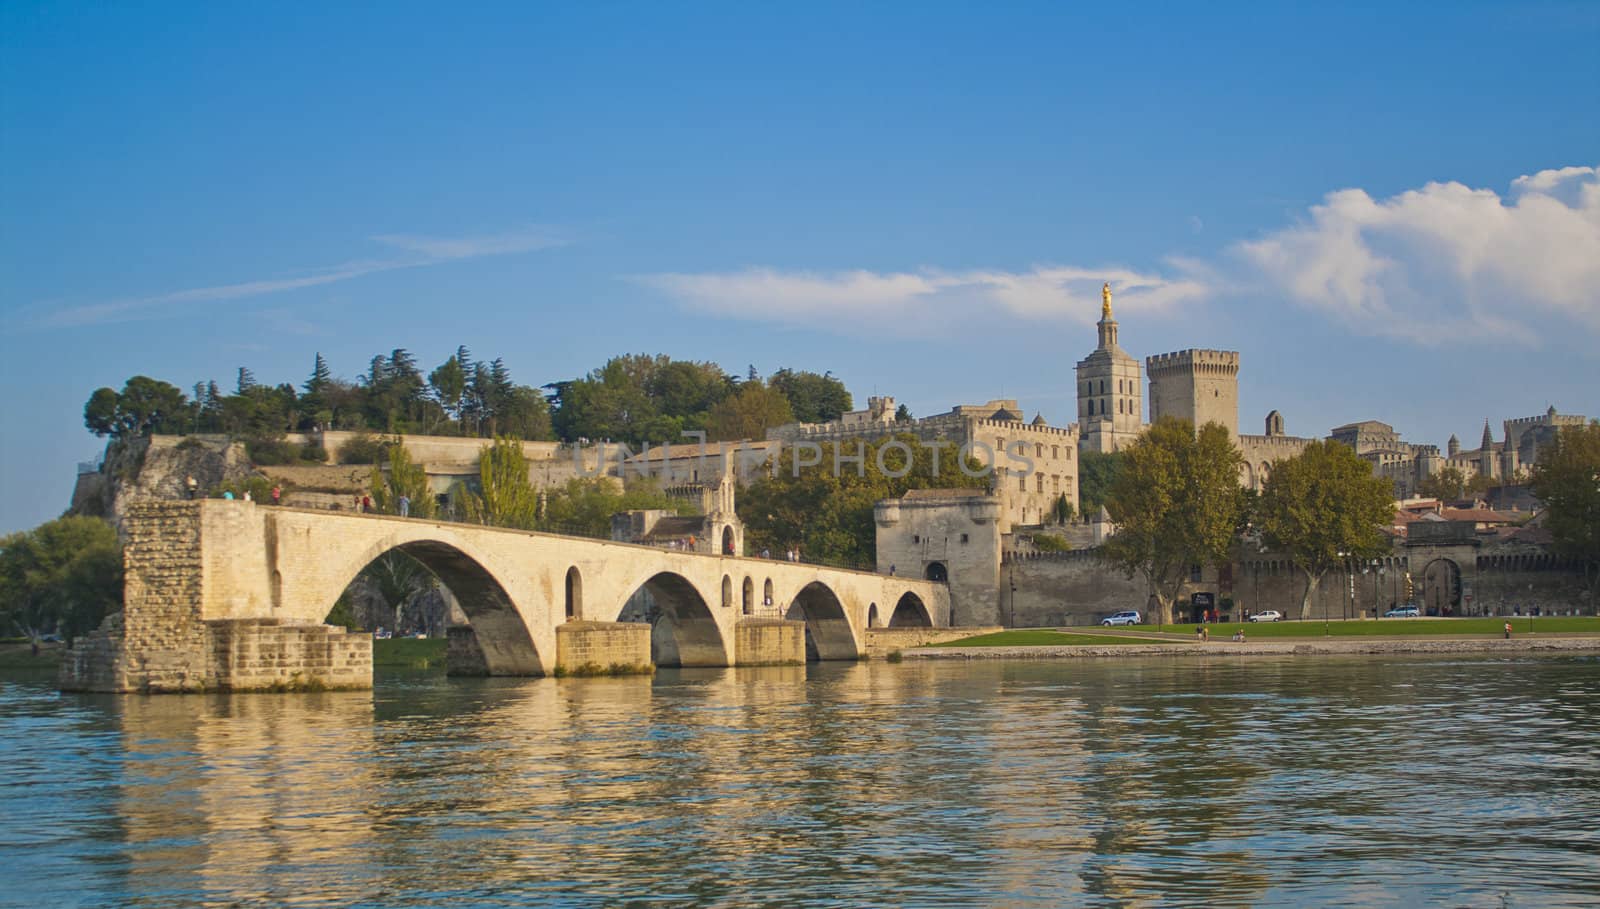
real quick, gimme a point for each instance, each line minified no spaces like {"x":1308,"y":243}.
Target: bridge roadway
{"x":291,"y":565}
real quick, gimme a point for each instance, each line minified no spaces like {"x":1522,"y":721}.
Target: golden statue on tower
{"x":1105,"y":300}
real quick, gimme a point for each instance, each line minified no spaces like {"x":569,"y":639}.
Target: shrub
{"x":271,"y":452}
{"x":1049,"y":542}
{"x":190,"y":443}
{"x":363,"y":449}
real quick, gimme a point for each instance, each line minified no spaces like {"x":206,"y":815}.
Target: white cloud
{"x":417,"y":252}
{"x":1446,"y":262}
{"x":910,"y":298}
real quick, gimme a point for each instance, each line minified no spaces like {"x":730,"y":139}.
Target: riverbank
{"x":1278,"y":648}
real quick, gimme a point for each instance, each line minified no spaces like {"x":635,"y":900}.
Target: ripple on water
{"x":1273,"y":782}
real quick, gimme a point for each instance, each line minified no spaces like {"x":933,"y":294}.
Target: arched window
{"x":1091,"y":407}
{"x":574,"y":593}
{"x":1119,"y":405}
{"x":749,"y":596}
{"x":936,"y":572}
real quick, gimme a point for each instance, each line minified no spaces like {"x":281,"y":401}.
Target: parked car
{"x":1128,"y":617}
{"x":1267,"y":615}
{"x":1402,"y":612}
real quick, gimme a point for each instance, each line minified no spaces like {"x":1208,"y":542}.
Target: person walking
{"x":191,"y":485}
{"x":405,"y":505}
{"x":277,"y":493}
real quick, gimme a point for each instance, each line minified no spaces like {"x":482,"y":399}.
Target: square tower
{"x":1201,"y":386}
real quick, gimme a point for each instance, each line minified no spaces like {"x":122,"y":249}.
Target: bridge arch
{"x":828,"y":632}
{"x":683,"y":631}
{"x":501,"y":631}
{"x":910,"y":612}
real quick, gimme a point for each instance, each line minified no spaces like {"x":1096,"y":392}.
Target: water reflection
{"x":1163,"y":782}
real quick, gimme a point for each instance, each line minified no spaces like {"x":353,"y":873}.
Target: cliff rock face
{"x":154,"y":469}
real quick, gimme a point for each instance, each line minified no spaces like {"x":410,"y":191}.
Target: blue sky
{"x":1391,"y":214}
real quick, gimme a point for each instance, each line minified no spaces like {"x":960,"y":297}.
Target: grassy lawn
{"x":1043,"y":637}
{"x":409,"y":653}
{"x":19,"y":655}
{"x":1385,"y":628}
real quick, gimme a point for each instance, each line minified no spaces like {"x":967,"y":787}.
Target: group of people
{"x":1202,"y":633}
{"x":191,"y":490}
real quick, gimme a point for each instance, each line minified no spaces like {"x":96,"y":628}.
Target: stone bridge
{"x":232,"y":594}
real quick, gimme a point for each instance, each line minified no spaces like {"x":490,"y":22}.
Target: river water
{"x":1364,"y":781}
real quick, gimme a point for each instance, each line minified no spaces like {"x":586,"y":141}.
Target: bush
{"x":190,"y":443}
{"x":362,"y":449}
{"x":271,"y":452}
{"x":314,"y":453}
{"x":1047,"y":542}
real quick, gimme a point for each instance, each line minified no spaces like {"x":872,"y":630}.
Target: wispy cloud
{"x":413,"y":252}
{"x":1445,"y":262}
{"x":847,"y":298}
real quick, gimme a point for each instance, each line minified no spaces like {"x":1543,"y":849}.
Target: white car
{"x":1130,"y":617}
{"x":1267,"y":615}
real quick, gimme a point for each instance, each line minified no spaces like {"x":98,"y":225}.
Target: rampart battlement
{"x":1197,"y":359}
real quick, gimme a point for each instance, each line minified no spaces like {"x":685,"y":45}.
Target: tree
{"x":1097,"y":472}
{"x":1175,"y":502}
{"x":1448,"y":484}
{"x":404,"y":478}
{"x":1323,"y":508}
{"x":828,"y":514}
{"x":505,"y":495}
{"x":1061,"y":510}
{"x":1567,"y":480}
{"x":902,"y":414}
{"x":585,"y":506}
{"x":449,"y":384}
{"x":64,"y":575}
{"x":144,"y":406}
{"x":523,"y":414}
{"x":748,"y":413}
{"x":398,"y":580}
{"x":813,"y":398}
{"x":321,"y":375}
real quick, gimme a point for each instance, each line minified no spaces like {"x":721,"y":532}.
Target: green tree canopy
{"x":813,"y":398}
{"x":585,"y":506}
{"x":1567,"y":480}
{"x":64,"y":575}
{"x":1175,"y":501}
{"x":827,"y":513}
{"x":1323,"y":507}
{"x":505,"y":496}
{"x":748,"y":413}
{"x":144,"y":406}
{"x":404,"y":478}
{"x":1097,"y":471}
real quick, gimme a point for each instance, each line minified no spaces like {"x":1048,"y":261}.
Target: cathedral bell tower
{"x":1110,"y":389}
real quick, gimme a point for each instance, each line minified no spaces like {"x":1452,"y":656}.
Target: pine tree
{"x":247,"y":380}
{"x":320,"y":376}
